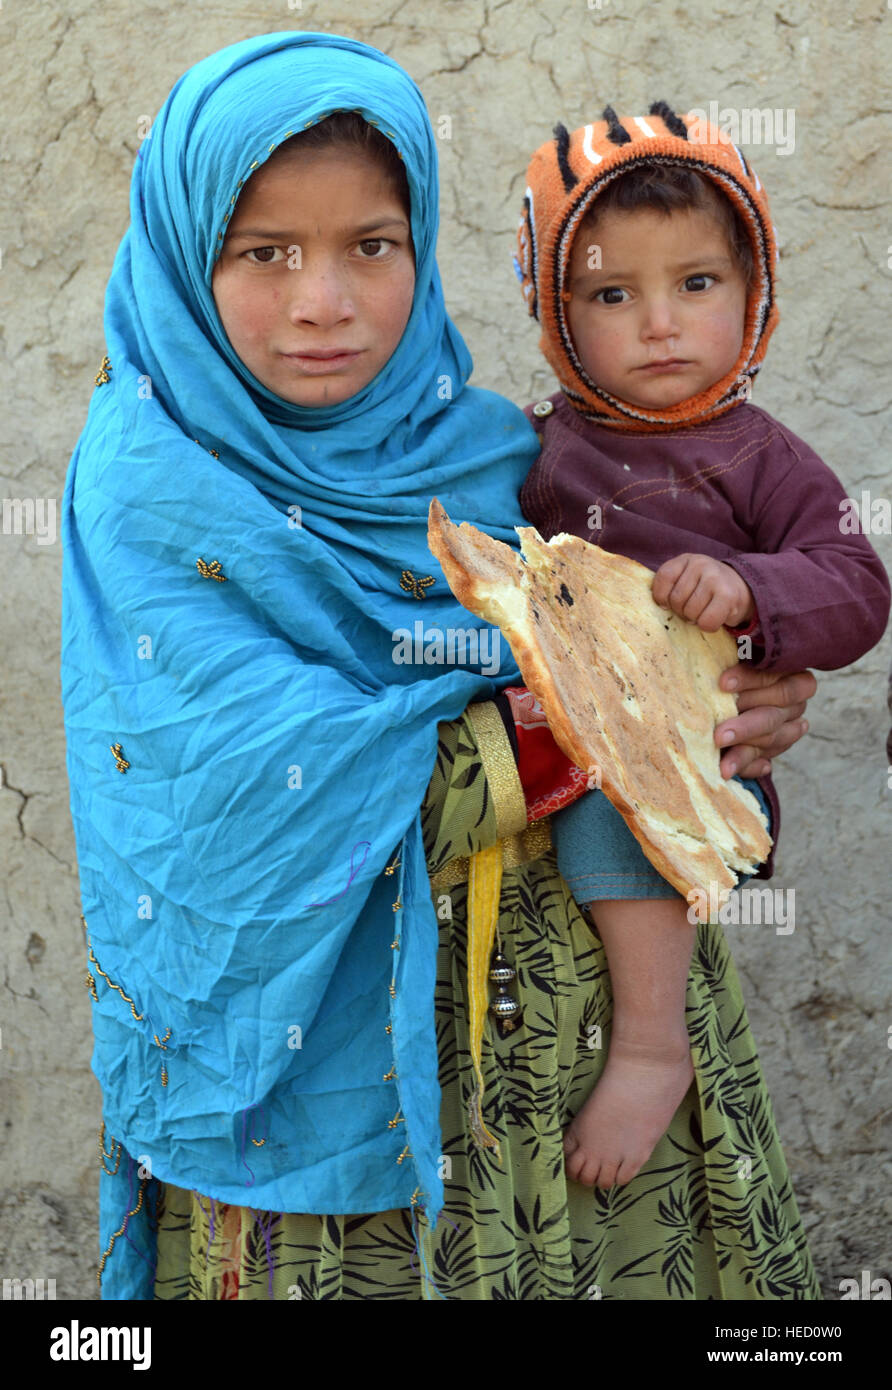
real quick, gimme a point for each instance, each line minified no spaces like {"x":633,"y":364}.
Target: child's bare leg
{"x":648,"y":1070}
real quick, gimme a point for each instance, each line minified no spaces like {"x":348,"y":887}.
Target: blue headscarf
{"x":246,"y":758}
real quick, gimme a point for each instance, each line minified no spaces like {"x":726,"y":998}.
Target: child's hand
{"x":704,"y":591}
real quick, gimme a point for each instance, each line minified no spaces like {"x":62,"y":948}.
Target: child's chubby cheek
{"x":720,"y":332}
{"x":598,"y":346}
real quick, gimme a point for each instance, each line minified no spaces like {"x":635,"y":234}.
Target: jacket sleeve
{"x":820,"y":589}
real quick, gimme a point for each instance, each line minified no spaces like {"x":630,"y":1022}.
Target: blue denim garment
{"x":600,"y":858}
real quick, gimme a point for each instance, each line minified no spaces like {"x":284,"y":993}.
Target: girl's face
{"x":315,"y":280}
{"x":657,"y":315}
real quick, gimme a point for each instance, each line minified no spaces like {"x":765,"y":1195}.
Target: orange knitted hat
{"x":564,"y":178}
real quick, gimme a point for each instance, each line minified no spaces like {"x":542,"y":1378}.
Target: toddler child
{"x":647,"y":253}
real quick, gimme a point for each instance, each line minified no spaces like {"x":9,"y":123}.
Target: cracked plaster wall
{"x":78,"y":79}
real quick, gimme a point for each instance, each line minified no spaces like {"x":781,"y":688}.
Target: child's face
{"x":315,"y":280}
{"x":668,"y":287}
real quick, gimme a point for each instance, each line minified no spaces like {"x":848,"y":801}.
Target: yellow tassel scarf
{"x":484,"y":889}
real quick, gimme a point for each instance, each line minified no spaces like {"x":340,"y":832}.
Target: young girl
{"x":649,"y":257}
{"x":276,"y":821}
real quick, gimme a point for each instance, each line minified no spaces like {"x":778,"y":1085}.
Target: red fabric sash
{"x":548,"y":777}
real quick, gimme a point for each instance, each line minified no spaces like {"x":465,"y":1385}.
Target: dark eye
{"x":373,"y":248}
{"x":257,"y":250}
{"x":696,"y":282}
{"x":610,"y":290}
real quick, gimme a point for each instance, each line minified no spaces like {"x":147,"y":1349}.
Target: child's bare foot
{"x":628,"y":1112}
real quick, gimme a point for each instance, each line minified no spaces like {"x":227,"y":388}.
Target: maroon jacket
{"x":742,"y":488}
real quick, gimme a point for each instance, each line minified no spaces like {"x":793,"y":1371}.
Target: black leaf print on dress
{"x":691,"y":1225}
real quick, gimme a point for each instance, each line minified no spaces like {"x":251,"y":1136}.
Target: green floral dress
{"x":712,"y":1214}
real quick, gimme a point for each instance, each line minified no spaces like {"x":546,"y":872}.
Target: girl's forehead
{"x":295,"y":163}
{"x":282,"y":162}
{"x":331,"y":180}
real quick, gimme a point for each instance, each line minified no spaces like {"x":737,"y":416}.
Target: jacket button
{"x":543,"y":408}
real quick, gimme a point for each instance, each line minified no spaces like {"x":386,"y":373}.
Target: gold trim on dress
{"x":532,"y":843}
{"x":497,"y":758}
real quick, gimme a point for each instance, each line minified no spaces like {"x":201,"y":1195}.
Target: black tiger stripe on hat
{"x":616,"y":131}
{"x":672,"y":122}
{"x":562,"y":138}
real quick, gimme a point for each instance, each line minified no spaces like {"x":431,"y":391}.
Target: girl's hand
{"x":768,"y":718}
{"x":704,"y":591}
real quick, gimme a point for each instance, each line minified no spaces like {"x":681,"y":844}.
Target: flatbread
{"x":629,"y":689}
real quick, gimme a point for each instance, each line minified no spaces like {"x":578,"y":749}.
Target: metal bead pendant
{"x":500,"y":971}
{"x":504,"y":1007}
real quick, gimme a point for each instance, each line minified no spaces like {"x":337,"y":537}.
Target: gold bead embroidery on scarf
{"x":101,"y":376}
{"x":162,"y":1043}
{"x":113,"y":1153}
{"x":89,"y":981}
{"x":139,"y":1017}
{"x":120,"y":1232}
{"x":415,"y":586}
{"x":121,"y":762}
{"x":214,"y":570}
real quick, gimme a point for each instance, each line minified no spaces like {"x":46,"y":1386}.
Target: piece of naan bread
{"x":629,"y":689}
